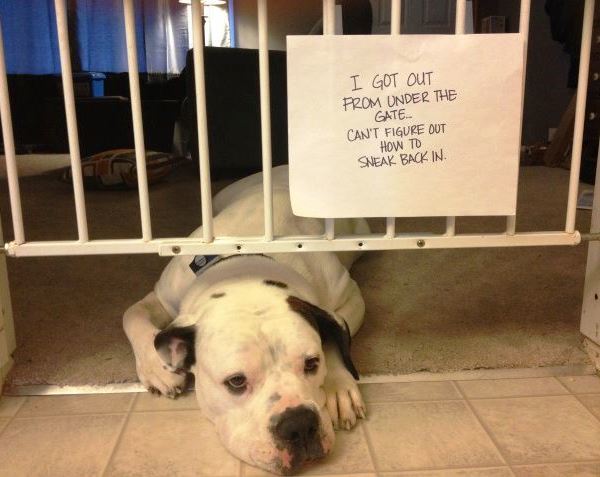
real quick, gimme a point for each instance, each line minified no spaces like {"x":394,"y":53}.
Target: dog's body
{"x":266,"y":336}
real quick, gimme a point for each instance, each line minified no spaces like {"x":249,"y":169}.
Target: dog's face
{"x":259,"y":371}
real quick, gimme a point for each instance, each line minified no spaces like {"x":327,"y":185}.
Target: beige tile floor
{"x":543,"y":426}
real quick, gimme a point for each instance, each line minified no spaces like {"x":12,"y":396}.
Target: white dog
{"x":267,"y":337}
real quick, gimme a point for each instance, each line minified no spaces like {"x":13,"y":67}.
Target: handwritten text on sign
{"x":391,"y":106}
{"x":404,"y":126}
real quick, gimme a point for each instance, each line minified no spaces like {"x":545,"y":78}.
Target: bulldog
{"x":266,"y":336}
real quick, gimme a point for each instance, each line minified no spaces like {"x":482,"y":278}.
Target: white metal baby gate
{"x":208,"y":243}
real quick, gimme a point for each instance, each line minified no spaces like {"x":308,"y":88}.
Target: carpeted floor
{"x":436,"y":310}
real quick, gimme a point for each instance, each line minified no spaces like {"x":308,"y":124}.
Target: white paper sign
{"x":410,"y":125}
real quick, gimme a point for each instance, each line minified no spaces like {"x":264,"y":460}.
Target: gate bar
{"x":67,"y":84}
{"x":582,"y":84}
{"x":524,"y":14}
{"x":329,"y":29}
{"x":459,"y":29}
{"x":255,"y":244}
{"x":265,"y":116}
{"x":199,"y":80}
{"x":390,"y":222}
{"x":459,"y":24}
{"x":9,"y":151}
{"x":396,"y":17}
{"x":511,"y":224}
{"x":328,"y":17}
{"x":136,"y":114}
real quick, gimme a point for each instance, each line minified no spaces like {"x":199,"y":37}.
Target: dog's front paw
{"x":157,"y":376}
{"x":343,"y":399}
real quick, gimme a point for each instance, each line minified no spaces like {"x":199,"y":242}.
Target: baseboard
{"x":4,"y":370}
{"x":593,"y":351}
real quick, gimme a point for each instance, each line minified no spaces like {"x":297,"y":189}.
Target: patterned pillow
{"x":116,"y":169}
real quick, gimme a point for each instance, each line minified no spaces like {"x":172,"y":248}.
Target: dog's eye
{"x":311,"y":365}
{"x":236,"y":384}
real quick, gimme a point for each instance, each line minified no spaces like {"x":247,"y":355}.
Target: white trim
{"x":590,"y":308}
{"x":7,"y":327}
{"x":518,"y":373}
{"x":470,"y":375}
{"x":241,"y":245}
{"x":55,"y":390}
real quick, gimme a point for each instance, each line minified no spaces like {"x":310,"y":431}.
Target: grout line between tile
{"x":55,"y":416}
{"x":370,"y":447}
{"x":569,"y":389}
{"x":517,"y":396}
{"x":12,"y":418}
{"x":499,"y":398}
{"x":576,"y":396}
{"x":119,"y":436}
{"x":449,"y":467}
{"x":562,"y":384}
{"x":515,"y":378}
{"x":571,"y":462}
{"x":441,"y":469}
{"x":362,"y":428}
{"x":139,"y":411}
{"x":483,"y":425}
{"x":159,"y":411}
{"x":396,"y":401}
{"x":68,"y":414}
{"x":20,"y":407}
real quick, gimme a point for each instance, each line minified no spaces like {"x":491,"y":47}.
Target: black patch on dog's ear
{"x":218,"y":295}
{"x":329,"y":329}
{"x":176,"y":346}
{"x":275,"y":283}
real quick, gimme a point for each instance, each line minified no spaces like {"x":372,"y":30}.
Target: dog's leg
{"x":344,"y":401}
{"x":141,"y":323}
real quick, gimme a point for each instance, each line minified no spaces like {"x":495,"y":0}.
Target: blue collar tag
{"x":200,"y":262}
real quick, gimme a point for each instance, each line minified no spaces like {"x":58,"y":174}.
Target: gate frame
{"x":590,"y":308}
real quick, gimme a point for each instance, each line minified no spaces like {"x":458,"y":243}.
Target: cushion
{"x":116,"y":169}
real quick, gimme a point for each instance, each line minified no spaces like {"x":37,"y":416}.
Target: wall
{"x":546,"y":92}
{"x":286,"y":17}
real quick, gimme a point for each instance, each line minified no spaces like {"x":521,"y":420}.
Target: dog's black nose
{"x":297,"y":430}
{"x":297,"y":427}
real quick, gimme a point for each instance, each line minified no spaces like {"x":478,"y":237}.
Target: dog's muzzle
{"x":296,"y":432}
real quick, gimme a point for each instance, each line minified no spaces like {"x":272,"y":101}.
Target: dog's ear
{"x":175,"y":345}
{"x":328,"y":327}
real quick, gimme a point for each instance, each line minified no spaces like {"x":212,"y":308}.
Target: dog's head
{"x":257,"y":356}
